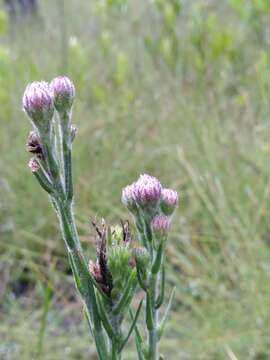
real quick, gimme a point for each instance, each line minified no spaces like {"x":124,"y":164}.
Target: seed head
{"x":161,"y":225}
{"x":34,"y":165}
{"x":38,"y":104}
{"x":147,"y":192}
{"x":169,"y":201}
{"x":63,"y":92}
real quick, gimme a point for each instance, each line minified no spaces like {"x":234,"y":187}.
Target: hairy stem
{"x":70,"y":235}
{"x":153,"y":350}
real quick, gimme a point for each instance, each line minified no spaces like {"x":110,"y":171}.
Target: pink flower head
{"x":63,"y":91}
{"x":38,"y":104}
{"x":161,"y":225}
{"x":147,"y":191}
{"x":169,"y":201}
{"x":128,"y":197}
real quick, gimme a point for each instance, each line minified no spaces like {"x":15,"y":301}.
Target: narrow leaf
{"x":140,"y":280}
{"x":166,"y":314}
{"x":160,"y":298}
{"x":149,"y":313}
{"x":128,"y":290}
{"x":138,"y":339}
{"x":75,"y":274}
{"x":44,"y":181}
{"x":104,"y":318}
{"x":132,"y":325}
{"x":158,"y":259}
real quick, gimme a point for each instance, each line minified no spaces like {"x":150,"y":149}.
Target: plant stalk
{"x":70,"y":235}
{"x":153,"y":349}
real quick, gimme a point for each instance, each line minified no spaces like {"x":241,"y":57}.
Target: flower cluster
{"x":40,"y":98}
{"x":152,"y":207}
{"x":146,"y":197}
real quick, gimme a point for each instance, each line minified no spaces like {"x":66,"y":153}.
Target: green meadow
{"x":179,"y":90}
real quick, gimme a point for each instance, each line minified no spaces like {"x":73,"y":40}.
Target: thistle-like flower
{"x":161,"y":225}
{"x":63,"y":92}
{"x":169,"y":201}
{"x":38,"y":104}
{"x":147,"y":193}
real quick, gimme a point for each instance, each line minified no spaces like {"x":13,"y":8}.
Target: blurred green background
{"x":175,"y":88}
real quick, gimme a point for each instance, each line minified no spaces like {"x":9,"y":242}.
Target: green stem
{"x":116,"y":355}
{"x":66,"y":143}
{"x":153,"y":350}
{"x":53,"y":166}
{"x":70,"y":235}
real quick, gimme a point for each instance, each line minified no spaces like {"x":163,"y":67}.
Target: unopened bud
{"x":128,"y":197}
{"x":169,"y":201}
{"x":33,"y":145}
{"x":34,"y":165}
{"x":142,"y":258}
{"x":38,"y":104}
{"x":161,"y":225}
{"x":64,"y":92}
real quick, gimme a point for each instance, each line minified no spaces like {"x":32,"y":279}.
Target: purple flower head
{"x":38,"y":104}
{"x":147,"y":192}
{"x":169,"y":201}
{"x":63,"y":91}
{"x":160,"y":225}
{"x":128,"y":197}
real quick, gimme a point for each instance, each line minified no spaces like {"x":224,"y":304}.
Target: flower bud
{"x":160,"y":225}
{"x":38,"y":104}
{"x":128,"y":197}
{"x":34,"y":165}
{"x":142,"y":258}
{"x":63,"y":92}
{"x":169,"y":201}
{"x":33,"y":145}
{"x":147,"y":193}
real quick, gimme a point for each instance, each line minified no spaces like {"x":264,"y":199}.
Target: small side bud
{"x":142,"y":258}
{"x":63,"y":92}
{"x":161,"y":225}
{"x":128,"y":198}
{"x":33,"y":145}
{"x":34,"y":165}
{"x":169,"y":201}
{"x":38,"y":104}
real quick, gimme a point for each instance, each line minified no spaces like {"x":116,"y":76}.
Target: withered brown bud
{"x":33,"y":145}
{"x":95,"y":271}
